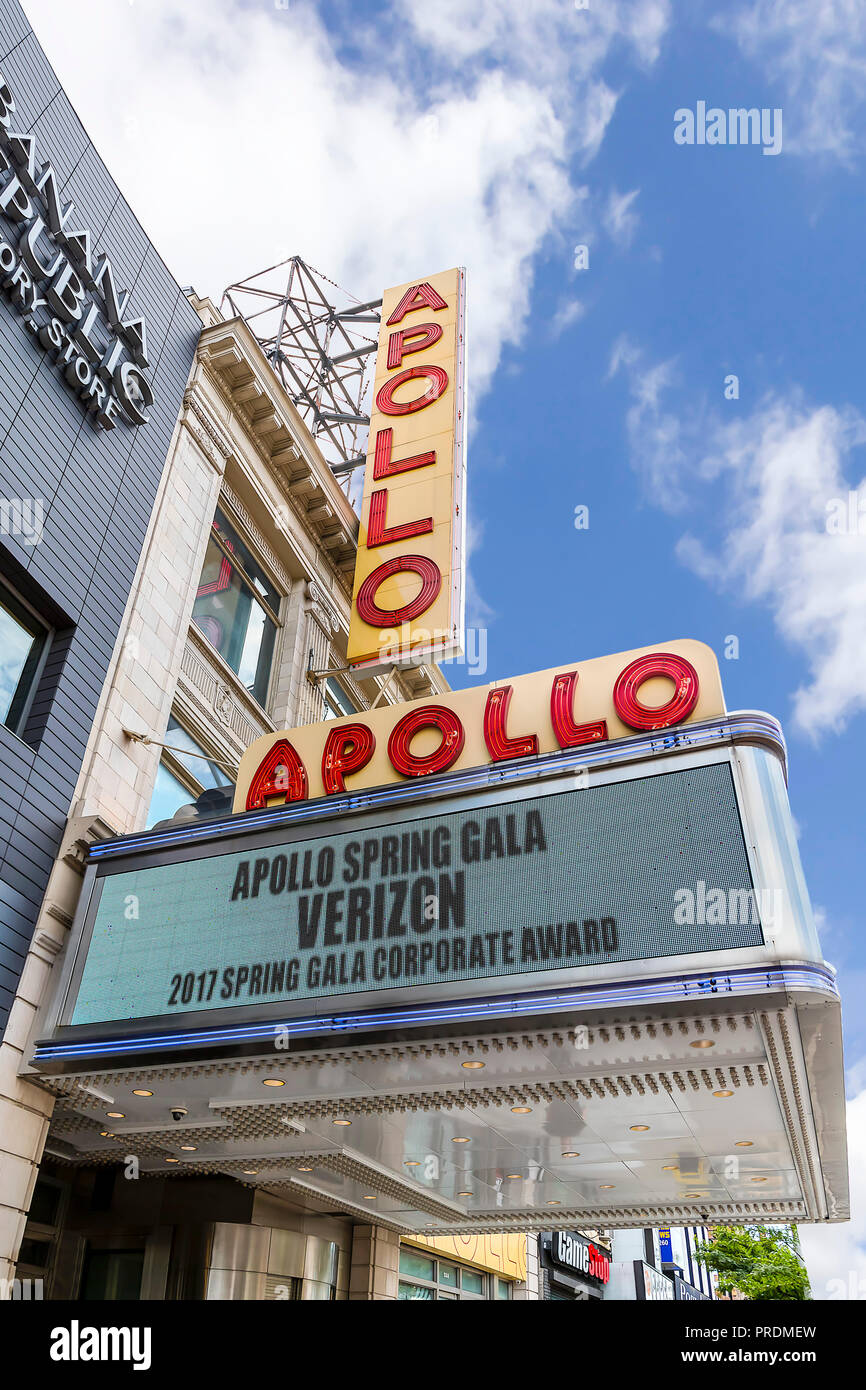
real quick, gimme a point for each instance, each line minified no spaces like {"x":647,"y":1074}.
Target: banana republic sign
{"x":67,"y":298}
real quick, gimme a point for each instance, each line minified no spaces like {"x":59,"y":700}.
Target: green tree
{"x":761,"y":1262}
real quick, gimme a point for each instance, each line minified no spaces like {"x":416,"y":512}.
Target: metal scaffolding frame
{"x":314,"y":334}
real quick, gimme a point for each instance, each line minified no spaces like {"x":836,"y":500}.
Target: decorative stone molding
{"x":320,"y":609}
{"x":59,"y":914}
{"x":203,"y":670}
{"x":214,"y":443}
{"x":280,"y":573}
{"x":82,"y":832}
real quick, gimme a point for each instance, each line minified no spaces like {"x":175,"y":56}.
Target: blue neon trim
{"x":689,"y":735}
{"x":664,"y":990}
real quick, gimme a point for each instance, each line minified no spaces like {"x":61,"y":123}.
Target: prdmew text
{"x":737,"y":126}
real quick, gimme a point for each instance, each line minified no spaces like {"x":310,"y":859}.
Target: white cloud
{"x":816,"y":49}
{"x":620,"y":219}
{"x":241,"y":135}
{"x":835,"y":1254}
{"x":778,"y":477}
{"x":567,"y":314}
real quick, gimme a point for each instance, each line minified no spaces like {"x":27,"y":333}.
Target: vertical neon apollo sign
{"x":408,"y":598}
{"x":66,"y":297}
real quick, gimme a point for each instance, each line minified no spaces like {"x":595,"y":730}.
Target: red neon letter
{"x":280,"y":773}
{"x":438,"y":378}
{"x":400,"y":346}
{"x":499,"y":745}
{"x":380,"y":534}
{"x":417,"y":297}
{"x":428,"y":717}
{"x":681,"y":703}
{"x":382,"y":465}
{"x":431,"y":582}
{"x":569,"y":734}
{"x":347,"y":749}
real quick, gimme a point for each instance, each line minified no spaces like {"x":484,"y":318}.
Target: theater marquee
{"x":583,"y":705}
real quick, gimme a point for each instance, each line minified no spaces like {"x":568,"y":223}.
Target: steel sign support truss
{"x":321,"y":343}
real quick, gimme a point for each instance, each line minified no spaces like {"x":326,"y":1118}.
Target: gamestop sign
{"x":575,"y":1252}
{"x":580,"y":705}
{"x":408,"y":599}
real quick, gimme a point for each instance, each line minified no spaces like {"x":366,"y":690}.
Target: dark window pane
{"x":45,"y":1203}
{"x":22,"y":641}
{"x":228,"y":610}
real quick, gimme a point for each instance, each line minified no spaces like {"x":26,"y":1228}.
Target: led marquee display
{"x":573,"y":878}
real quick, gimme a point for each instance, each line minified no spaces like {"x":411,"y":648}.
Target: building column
{"x":375,"y":1260}
{"x":530,"y":1290}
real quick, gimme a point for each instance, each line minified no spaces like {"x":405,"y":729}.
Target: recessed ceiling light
{"x":341,"y":1122}
{"x":521,"y":1109}
{"x":472,"y":1066}
{"x":303,"y":1169}
{"x":115,"y":1115}
{"x":571,"y":1153}
{"x":554,"y":1204}
{"x":639,"y":1127}
{"x":411,"y":1163}
{"x":371,"y":1197}
{"x":757,"y":1179}
{"x":693,"y":1194}
{"x":703,"y":1042}
{"x":189,"y":1148}
{"x":273,"y":1081}
{"x":460,"y":1139}
{"x":608,"y":1186}
{"x":722,"y":1095}
{"x":250,"y":1171}
{"x":172,"y":1160}
{"x":514,"y":1175}
{"x":142,"y":1093}
{"x":464,"y":1194}
{"x":670,"y":1168}
{"x":105,"y":1134}
{"x":744,"y":1144}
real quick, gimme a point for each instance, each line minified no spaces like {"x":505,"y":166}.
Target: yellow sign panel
{"x":583,"y":704}
{"x":408,"y":600}
{"x":504,"y":1255}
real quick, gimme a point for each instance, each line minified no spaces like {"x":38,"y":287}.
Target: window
{"x":23,"y":644}
{"x":236,"y":608}
{"x":184,"y":776}
{"x":337,"y":702}
{"x":426,"y":1279}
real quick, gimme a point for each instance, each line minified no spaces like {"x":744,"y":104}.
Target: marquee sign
{"x":408,"y":600}
{"x":583,"y":704}
{"x":517,"y":886}
{"x":66,"y":296}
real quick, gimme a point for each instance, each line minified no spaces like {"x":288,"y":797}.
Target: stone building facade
{"x":235,"y":625}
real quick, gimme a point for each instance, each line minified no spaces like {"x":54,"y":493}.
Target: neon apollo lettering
{"x":349,"y":747}
{"x":50,"y":267}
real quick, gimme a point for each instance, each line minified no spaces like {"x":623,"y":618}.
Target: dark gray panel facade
{"x":96,"y":487}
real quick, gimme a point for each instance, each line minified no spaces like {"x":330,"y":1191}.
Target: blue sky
{"x":382,"y":141}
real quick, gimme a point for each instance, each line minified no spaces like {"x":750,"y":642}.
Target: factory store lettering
{"x":66,"y":297}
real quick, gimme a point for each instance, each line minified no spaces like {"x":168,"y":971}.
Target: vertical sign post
{"x":408,"y":599}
